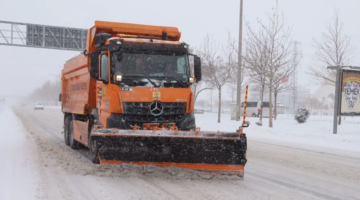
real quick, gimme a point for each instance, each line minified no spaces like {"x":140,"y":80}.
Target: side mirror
{"x":60,"y":97}
{"x":94,"y":65}
{"x":197,"y":68}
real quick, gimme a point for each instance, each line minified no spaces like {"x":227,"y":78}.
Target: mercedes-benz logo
{"x":156,"y":108}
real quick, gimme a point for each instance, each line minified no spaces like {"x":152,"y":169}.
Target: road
{"x":272,"y":172}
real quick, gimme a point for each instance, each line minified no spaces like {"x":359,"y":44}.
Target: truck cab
{"x":131,"y":75}
{"x":143,"y":81}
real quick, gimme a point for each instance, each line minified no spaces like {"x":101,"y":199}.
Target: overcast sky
{"x":24,"y":69}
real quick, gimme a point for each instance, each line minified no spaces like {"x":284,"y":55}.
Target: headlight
{"x":192,"y":80}
{"x":118,"y":78}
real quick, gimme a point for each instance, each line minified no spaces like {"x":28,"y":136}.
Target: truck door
{"x":103,"y":89}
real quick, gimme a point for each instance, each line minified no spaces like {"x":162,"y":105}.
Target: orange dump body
{"x":124,"y":117}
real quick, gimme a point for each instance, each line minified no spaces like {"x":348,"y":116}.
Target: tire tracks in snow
{"x":265,"y":176}
{"x":147,"y":182}
{"x":294,"y":187}
{"x":53,"y":184}
{"x":307,"y":150}
{"x":57,"y":145}
{"x":305,"y":171}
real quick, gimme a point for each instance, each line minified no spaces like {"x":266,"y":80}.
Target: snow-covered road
{"x":36,"y":154}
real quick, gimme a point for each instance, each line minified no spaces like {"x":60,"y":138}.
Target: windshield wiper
{"x":178,"y":81}
{"x":133,"y":75}
{"x":127,"y":76}
{"x":133,"y":79}
{"x":163,"y":77}
{"x":152,"y":82}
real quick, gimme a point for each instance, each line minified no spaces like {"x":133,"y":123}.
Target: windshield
{"x":150,"y":65}
{"x":266,"y":104}
{"x":249,"y":104}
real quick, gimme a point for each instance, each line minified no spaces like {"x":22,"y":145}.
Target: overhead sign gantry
{"x":42,"y":36}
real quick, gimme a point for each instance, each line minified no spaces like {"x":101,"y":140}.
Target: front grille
{"x":135,"y":108}
{"x":139,"y":113}
{"x":139,"y":120}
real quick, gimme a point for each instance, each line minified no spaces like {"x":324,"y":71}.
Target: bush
{"x":302,"y":115}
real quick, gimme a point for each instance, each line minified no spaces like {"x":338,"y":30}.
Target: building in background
{"x":285,"y":100}
{"x":325,"y":95}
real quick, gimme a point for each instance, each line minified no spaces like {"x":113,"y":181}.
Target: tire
{"x":241,"y":177}
{"x":73,"y":143}
{"x":93,"y":150}
{"x":66,"y":130}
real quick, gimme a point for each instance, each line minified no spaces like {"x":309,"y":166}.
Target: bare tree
{"x":199,"y":87}
{"x":48,"y":93}
{"x":232,"y":84}
{"x":274,"y":44}
{"x":313,"y":103}
{"x":281,"y":82}
{"x":255,"y":61}
{"x":333,"y":49}
{"x":216,"y":70}
{"x":280,"y":85}
{"x":231,"y":53}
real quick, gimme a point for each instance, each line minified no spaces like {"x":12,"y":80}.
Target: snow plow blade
{"x":219,"y":152}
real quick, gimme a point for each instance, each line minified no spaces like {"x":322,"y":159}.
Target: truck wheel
{"x":93,"y":151}
{"x":66,"y":130}
{"x":241,"y":176}
{"x":73,"y":143}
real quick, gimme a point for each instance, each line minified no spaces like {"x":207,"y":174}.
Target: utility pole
{"x":211,"y":100}
{"x":238,"y":95}
{"x":336,"y":102}
{"x":295,"y":78}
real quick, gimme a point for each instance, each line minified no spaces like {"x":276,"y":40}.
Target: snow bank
{"x":53,"y":107}
{"x":18,"y":178}
{"x":317,"y":131}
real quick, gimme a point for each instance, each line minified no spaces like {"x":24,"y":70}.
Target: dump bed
{"x":78,"y":89}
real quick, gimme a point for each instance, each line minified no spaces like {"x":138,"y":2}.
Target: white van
{"x":39,"y":105}
{"x":253,"y":108}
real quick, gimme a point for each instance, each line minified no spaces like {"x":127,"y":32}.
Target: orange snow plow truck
{"x":128,"y":98}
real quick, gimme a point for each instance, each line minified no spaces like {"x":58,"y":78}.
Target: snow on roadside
{"x":18,"y":174}
{"x":315,"y":132}
{"x":53,"y":107}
